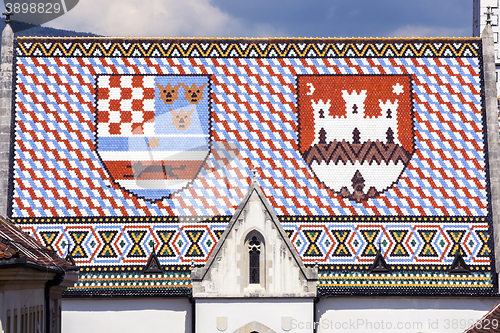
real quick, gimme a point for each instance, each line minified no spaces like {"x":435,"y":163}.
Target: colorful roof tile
{"x":123,"y":147}
{"x":104,"y":284}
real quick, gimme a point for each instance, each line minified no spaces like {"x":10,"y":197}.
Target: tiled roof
{"x":92,"y":284}
{"x":17,"y":247}
{"x":402,"y":282}
{"x":262,"y":111}
{"x":261,"y":117}
{"x":95,"y":282}
{"x":489,"y":323}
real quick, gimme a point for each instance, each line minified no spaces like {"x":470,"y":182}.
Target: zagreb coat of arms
{"x":153,"y":131}
{"x":356,"y":131}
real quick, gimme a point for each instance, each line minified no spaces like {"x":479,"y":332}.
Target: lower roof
{"x":132,"y":281}
{"x":17,"y":248}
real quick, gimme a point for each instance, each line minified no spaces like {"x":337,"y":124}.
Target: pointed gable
{"x":379,"y":265}
{"x":254,"y":257}
{"x":459,"y":266}
{"x":153,"y":265}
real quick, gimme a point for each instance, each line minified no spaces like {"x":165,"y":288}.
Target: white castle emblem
{"x":356,"y":147}
{"x":343,"y":128}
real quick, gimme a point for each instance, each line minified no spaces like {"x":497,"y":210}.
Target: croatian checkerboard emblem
{"x":356,"y":131}
{"x":153,"y":132}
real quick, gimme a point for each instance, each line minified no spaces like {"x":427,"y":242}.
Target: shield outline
{"x":209,"y":133}
{"x":302,"y":123}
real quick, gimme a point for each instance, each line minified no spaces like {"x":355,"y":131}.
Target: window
{"x":254,"y":251}
{"x":32,"y":319}
{"x":255,"y":259}
{"x":7,"y":330}
{"x":15,"y":320}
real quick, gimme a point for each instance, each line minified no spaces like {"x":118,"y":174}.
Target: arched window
{"x":254,"y":248}
{"x":254,"y":262}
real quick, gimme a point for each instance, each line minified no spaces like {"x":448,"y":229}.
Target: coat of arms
{"x":153,"y":132}
{"x":356,"y":131}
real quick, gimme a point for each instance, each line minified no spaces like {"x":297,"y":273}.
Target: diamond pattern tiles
{"x":121,"y":242}
{"x":254,"y":126}
{"x":130,"y":244}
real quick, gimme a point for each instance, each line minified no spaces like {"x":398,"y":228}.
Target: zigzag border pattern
{"x":269,"y":48}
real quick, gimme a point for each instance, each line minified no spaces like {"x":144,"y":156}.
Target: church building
{"x":258,"y":185}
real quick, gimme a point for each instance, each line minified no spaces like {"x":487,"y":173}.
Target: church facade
{"x":260,"y":185}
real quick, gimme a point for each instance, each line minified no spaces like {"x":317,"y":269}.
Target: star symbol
{"x":153,"y":143}
{"x":397,"y":89}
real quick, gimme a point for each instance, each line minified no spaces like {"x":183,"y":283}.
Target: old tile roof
{"x":18,"y":248}
{"x":489,"y":323}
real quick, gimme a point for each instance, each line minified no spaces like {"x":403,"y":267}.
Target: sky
{"x":270,"y":18}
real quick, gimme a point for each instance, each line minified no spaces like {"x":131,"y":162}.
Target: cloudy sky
{"x":270,"y":18}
